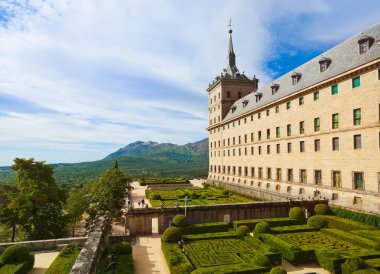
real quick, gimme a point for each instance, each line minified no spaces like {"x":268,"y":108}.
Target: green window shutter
{"x":316,"y":121}
{"x":336,"y":118}
{"x":357,"y":114}
{"x":316,"y":95}
{"x":334,"y":89}
{"x":356,"y":82}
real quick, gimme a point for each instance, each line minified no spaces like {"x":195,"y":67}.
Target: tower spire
{"x":231,"y":68}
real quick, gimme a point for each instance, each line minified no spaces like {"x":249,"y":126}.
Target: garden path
{"x":42,"y":261}
{"x":138,"y":193}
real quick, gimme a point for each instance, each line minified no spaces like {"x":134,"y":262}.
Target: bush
{"x":65,"y":260}
{"x":180,"y":220}
{"x":205,"y":228}
{"x":261,"y":260}
{"x":156,"y":196}
{"x":15,"y":254}
{"x":273,"y":222}
{"x":278,"y":270}
{"x":322,"y":209}
{"x":226,"y":192}
{"x":122,"y":248}
{"x":373,"y":220}
{"x":352,"y":264}
{"x":262,"y":228}
{"x":297,"y":213}
{"x":171,"y":235}
{"x":242,"y":231}
{"x":317,"y":221}
{"x":176,"y":260}
{"x":345,"y":224}
{"x":19,"y":268}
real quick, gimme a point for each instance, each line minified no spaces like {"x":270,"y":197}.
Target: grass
{"x":65,"y":260}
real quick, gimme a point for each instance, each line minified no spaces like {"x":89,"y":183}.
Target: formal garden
{"x":339,"y":245}
{"x":195,"y":196}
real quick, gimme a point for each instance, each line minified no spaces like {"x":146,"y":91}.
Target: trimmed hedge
{"x":180,"y":220}
{"x":124,"y":264}
{"x":369,"y":219}
{"x":210,"y":236}
{"x":330,"y":260}
{"x":171,"y":235}
{"x":154,"y":181}
{"x":65,"y":260}
{"x":349,"y":237}
{"x":176,"y":260}
{"x":297,"y":213}
{"x":373,"y":235}
{"x":262,"y":227}
{"x":16,"y":259}
{"x":242,"y":230}
{"x":205,"y":228}
{"x":18,"y":268}
{"x":345,"y":224}
{"x":273,"y":222}
{"x":351,"y":265}
{"x":317,"y":221}
{"x":278,"y":270}
{"x":122,"y":248}
{"x":292,"y":229}
{"x":261,"y":260}
{"x":119,"y":255}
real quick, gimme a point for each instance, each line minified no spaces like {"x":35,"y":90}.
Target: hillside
{"x":148,"y":159}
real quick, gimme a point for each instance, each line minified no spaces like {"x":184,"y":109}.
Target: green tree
{"x":108,"y":192}
{"x":38,"y":202}
{"x":76,"y":205}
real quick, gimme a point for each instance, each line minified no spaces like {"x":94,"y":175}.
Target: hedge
{"x":210,"y":236}
{"x":292,"y":229}
{"x":329,"y":260}
{"x":124,"y":264}
{"x":231,"y":269}
{"x":345,"y":224}
{"x":369,"y":219}
{"x":317,"y":221}
{"x":171,"y":235}
{"x":14,"y":254}
{"x":349,"y":237}
{"x":278,"y":270}
{"x":205,"y":228}
{"x":322,"y":209}
{"x":273,"y":222}
{"x":175,"y":259}
{"x":153,"y":181}
{"x":351,"y":265}
{"x":19,"y":268}
{"x":297,"y":213}
{"x":180,"y":220}
{"x":65,"y":260}
{"x":373,"y":235}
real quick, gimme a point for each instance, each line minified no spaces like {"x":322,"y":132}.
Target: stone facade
{"x":319,"y":141}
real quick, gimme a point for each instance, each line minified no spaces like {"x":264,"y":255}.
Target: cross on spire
{"x":230,"y":25}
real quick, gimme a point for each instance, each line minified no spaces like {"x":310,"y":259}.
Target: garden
{"x":195,"y":196}
{"x":339,"y":245}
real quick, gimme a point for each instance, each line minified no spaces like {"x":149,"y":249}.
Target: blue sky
{"x":80,"y":79}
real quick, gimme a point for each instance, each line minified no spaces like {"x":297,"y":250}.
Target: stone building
{"x":312,"y":133}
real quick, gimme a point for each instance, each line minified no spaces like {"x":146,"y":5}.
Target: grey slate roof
{"x":344,"y":57}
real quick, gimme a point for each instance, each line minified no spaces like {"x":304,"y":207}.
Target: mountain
{"x":138,"y":159}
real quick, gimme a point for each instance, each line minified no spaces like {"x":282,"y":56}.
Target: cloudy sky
{"x":80,"y":79}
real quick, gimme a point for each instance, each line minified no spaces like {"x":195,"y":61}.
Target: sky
{"x":80,"y":79}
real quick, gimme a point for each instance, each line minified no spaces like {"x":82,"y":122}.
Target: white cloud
{"x":106,"y":73}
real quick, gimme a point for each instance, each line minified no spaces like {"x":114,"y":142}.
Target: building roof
{"x":343,"y":57}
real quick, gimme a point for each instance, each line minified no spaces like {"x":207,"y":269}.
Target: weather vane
{"x":230,"y":25}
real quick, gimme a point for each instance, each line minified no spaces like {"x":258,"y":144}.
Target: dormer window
{"x":245,"y":103}
{"x":296,"y":77}
{"x":365,"y":43}
{"x":275,"y":88}
{"x":324,"y":63}
{"x":258,"y":96}
{"x":233,"y":108}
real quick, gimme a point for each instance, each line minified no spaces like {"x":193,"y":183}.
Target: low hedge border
{"x":368,"y":219}
{"x":65,"y":260}
{"x":292,"y":229}
{"x":232,"y":269}
{"x":19,"y":268}
{"x":345,"y":224}
{"x":175,"y":259}
{"x":273,"y":222}
{"x":349,"y":237}
{"x":205,"y":228}
{"x":373,"y":235}
{"x":210,"y":236}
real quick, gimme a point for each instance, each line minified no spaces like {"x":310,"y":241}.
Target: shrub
{"x":352,"y":264}
{"x":156,"y":196}
{"x":180,"y":220}
{"x":345,"y":224}
{"x":322,"y":209}
{"x":242,"y":230}
{"x":273,"y":222}
{"x":15,"y":254}
{"x":176,"y":260}
{"x":122,"y":248}
{"x":65,"y":260}
{"x":262,"y":228}
{"x":317,"y":221}
{"x":19,"y":268}
{"x":171,"y":235}
{"x":225,"y":192}
{"x":297,"y":213}
{"x":278,"y":270}
{"x":205,"y":228}
{"x":364,"y":218}
{"x":261,"y":260}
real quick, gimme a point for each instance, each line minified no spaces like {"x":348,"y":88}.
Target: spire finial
{"x":230,"y":25}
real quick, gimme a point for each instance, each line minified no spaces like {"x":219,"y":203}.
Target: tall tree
{"x":75,"y":206}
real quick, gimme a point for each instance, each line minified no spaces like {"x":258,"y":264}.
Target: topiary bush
{"x":226,"y":192}
{"x":242,"y":230}
{"x":322,"y":209}
{"x":180,"y":220}
{"x":156,"y":196}
{"x":317,"y":221}
{"x":261,"y":260}
{"x":262,"y":227}
{"x":15,"y":254}
{"x":171,"y":235}
{"x":297,"y":213}
{"x":122,"y":248}
{"x":278,"y":270}
{"x":352,"y":264}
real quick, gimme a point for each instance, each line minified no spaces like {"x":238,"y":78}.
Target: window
{"x":268,"y":149}
{"x":239,"y":94}
{"x":302,"y":127}
{"x":357,"y":116}
{"x":316,"y":95}
{"x":278,"y":108}
{"x":336,"y":181}
{"x":378,"y":74}
{"x":267,"y":112}
{"x":302,"y":146}
{"x":358,"y":180}
{"x":277,"y":132}
{"x":252,"y":172}
{"x":268,"y":133}
{"x":335,"y":121}
{"x":252,"y":150}
{"x":363,"y":46}
{"x":233,"y":141}
{"x":290,"y":174}
{"x":289,"y":147}
{"x":335,"y":143}
{"x":245,"y":138}
{"x":334,"y":89}
{"x":322,"y":66}
{"x":278,"y":174}
{"x":259,"y":150}
{"x":358,"y":141}
{"x":289,"y":130}
{"x":259,"y":115}
{"x":260,"y":172}
{"x":251,"y":136}
{"x":288,"y":105}
{"x":317,"y":177}
{"x":301,"y":101}
{"x":316,"y":124}
{"x":356,"y":82}
{"x":259,"y":135}
{"x":357,"y":200}
{"x":269,"y":173}
{"x":278,"y":148}
{"x":303,"y":177}
{"x":317,"y":145}
{"x":275,"y":88}
{"x":239,"y":140}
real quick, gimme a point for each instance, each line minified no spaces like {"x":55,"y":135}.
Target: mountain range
{"x":138,"y":159}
